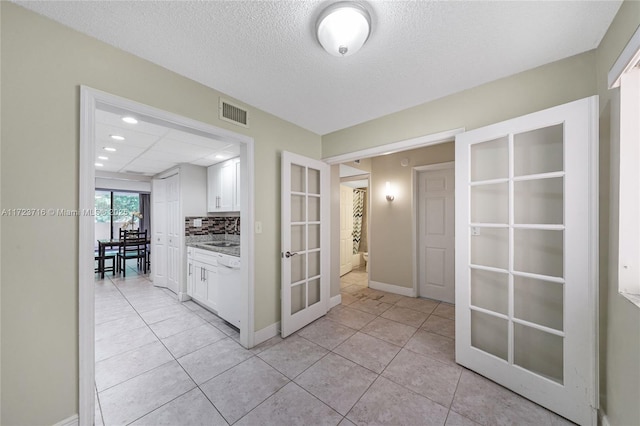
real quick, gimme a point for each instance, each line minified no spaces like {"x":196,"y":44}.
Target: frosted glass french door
{"x":305,"y":241}
{"x":526,"y":256}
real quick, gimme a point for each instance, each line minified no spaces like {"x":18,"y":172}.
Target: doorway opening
{"x":93,"y":101}
{"x":392,"y":224}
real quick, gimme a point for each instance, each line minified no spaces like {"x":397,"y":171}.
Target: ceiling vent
{"x":233,"y":113}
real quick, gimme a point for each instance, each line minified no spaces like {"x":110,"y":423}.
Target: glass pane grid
{"x":526,"y":329}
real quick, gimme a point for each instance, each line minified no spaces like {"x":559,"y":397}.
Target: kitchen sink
{"x":222,"y":244}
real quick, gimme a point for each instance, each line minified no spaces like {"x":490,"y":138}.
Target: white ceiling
{"x":265,"y":53}
{"x":150,"y":148}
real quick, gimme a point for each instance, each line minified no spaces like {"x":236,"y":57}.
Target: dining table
{"x":103,"y":245}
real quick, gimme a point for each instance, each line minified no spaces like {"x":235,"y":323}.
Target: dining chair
{"x":133,"y":245}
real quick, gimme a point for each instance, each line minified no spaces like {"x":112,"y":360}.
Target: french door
{"x":526,"y":256}
{"x":305,"y":241}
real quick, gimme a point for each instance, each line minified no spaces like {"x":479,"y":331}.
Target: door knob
{"x":289,"y":254}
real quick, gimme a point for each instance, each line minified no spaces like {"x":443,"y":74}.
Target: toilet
{"x":365,"y":256}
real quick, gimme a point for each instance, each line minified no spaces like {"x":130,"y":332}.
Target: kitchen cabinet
{"x":202,"y":277}
{"x":223,"y":186}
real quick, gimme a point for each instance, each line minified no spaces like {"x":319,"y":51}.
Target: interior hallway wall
{"x":391,"y":233}
{"x":619,"y":318}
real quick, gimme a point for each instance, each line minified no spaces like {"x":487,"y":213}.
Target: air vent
{"x":233,"y":113}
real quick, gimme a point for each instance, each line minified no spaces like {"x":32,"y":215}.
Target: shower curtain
{"x":358,"y":210}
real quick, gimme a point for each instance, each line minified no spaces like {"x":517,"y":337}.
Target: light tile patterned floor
{"x":378,"y":358}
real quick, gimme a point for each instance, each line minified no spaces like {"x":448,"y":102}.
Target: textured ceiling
{"x":265,"y":53}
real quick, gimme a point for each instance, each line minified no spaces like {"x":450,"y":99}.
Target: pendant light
{"x":343,"y":28}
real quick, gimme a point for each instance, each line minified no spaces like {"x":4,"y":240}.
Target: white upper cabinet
{"x":223,"y":186}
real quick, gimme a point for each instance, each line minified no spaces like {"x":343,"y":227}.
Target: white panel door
{"x":159,"y":232}
{"x":346,"y":229}
{"x":526,"y":256}
{"x":174,"y":229}
{"x":305,"y":241}
{"x":436,"y":196}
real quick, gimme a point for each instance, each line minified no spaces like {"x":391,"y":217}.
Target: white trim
{"x":414,"y":214}
{"x":266,"y":333}
{"x":392,"y":288}
{"x":604,"y":420}
{"x":90,"y":99}
{"x":86,"y":237}
{"x":627,"y":59}
{"x":594,"y":241}
{"x":335,"y":301}
{"x":70,"y":421}
{"x":390,"y":148}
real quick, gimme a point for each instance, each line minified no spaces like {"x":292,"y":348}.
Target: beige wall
{"x":619,"y":319}
{"x":543,"y":87}
{"x":391,"y":242}
{"x":43,"y":65}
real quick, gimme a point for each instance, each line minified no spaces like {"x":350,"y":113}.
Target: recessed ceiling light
{"x":102,"y":157}
{"x":117,"y":137}
{"x":108,"y":148}
{"x":221,"y":157}
{"x":129,"y":120}
{"x":99,"y":164}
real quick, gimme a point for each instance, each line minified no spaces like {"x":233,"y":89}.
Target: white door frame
{"x":414,"y":231}
{"x":390,"y":148}
{"x":90,"y":99}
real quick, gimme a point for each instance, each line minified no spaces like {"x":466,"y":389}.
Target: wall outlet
{"x":258,"y":227}
{"x":197,"y":223}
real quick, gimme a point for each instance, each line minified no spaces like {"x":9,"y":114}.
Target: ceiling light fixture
{"x":108,"y":148}
{"x":102,"y":157}
{"x":99,"y":164}
{"x":117,"y":137}
{"x":343,"y":28}
{"x":129,"y":120}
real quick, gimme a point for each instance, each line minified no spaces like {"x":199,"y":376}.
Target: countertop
{"x":197,"y":242}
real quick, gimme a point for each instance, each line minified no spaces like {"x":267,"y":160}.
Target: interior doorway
{"x":92,"y":101}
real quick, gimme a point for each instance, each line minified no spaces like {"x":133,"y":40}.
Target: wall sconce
{"x":389,"y":192}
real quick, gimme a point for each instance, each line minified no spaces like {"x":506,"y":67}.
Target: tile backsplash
{"x":212,"y":225}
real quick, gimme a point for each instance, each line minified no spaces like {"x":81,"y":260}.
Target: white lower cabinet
{"x":202,"y":277}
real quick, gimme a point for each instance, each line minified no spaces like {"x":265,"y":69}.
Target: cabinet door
{"x":199,"y":282}
{"x":191,"y":275}
{"x":236,"y":195}
{"x":227,"y":185}
{"x":211,"y":279}
{"x":213,"y":188}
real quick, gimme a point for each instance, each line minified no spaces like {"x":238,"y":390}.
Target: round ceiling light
{"x":343,"y":28}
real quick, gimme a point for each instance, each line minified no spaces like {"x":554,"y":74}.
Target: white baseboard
{"x":335,"y":301}
{"x":266,"y":333}
{"x":604,"y":420}
{"x":71,"y":421}
{"x":183,"y":297}
{"x":391,"y":288}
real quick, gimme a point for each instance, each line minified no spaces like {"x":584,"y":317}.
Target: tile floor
{"x":377,"y":359}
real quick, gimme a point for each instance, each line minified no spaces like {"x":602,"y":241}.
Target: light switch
{"x":258,"y":227}
{"x":197,"y":223}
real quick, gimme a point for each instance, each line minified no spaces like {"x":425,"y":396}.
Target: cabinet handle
{"x":190,"y":265}
{"x":218,"y":202}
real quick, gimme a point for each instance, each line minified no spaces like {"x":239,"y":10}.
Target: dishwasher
{"x":229,"y":289}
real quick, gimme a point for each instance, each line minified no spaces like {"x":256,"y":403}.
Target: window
{"x":113,"y":209}
{"x":626,"y":74}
